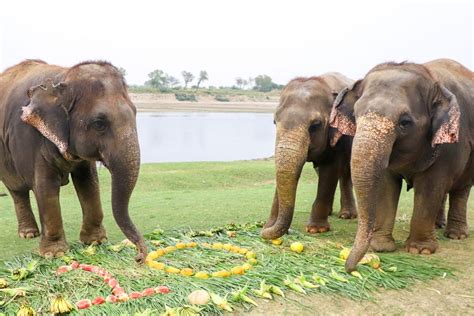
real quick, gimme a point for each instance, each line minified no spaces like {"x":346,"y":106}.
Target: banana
{"x":60,"y":305}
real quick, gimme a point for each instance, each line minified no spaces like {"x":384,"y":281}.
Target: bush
{"x":221,"y":98}
{"x":185,"y":97}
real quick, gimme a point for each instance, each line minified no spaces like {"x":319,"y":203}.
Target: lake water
{"x":179,"y":137}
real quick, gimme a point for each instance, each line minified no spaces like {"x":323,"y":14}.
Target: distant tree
{"x":171,"y":81}
{"x":203,"y":76}
{"x":250,"y":82}
{"x":122,"y":71}
{"x":264,"y":83}
{"x":157,"y":79}
{"x":187,"y":77}
{"x":245,"y":83}
{"x":239,"y":82}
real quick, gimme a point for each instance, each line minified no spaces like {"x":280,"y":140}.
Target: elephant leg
{"x":387,"y":203}
{"x":441,"y":218}
{"x":47,"y":184}
{"x":428,"y":198}
{"x":86,"y":184}
{"x":327,"y":183}
{"x":348,"y":205}
{"x":27,"y":227}
{"x":457,"y":224}
{"x":274,"y":212}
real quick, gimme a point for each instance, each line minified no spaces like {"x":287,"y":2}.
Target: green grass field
{"x":208,"y":194}
{"x":198,"y":195}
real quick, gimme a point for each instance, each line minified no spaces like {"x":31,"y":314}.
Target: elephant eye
{"x":405,"y":122}
{"x":314,"y":126}
{"x":99,"y":125}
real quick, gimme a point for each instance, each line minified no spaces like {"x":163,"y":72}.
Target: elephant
{"x":414,"y":122}
{"x":56,"y":121}
{"x":302,"y":135}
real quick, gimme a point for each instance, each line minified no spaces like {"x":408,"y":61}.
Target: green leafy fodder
{"x":317,"y":270}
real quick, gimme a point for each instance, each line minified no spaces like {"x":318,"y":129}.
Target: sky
{"x":237,"y":38}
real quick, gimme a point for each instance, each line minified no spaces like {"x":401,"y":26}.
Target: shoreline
{"x":158,"y":103}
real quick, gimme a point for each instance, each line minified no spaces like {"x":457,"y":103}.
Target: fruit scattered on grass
{"x":297,"y":247}
{"x":199,"y":297}
{"x":59,"y":305}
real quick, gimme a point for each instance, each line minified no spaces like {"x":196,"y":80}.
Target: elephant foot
{"x":90,"y":235}
{"x":424,"y":247}
{"x":383,"y":244}
{"x":347,"y":213}
{"x":53,"y":248}
{"x":318,"y":227}
{"x":28,"y":231}
{"x":459,"y":232}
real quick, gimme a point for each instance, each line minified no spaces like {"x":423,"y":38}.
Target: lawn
{"x":204,"y":195}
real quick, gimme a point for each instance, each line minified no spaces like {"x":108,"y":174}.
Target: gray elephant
{"x":303,"y":134}
{"x":413,"y":122}
{"x":57,"y":121}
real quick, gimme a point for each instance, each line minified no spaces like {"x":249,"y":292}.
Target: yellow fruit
{"x":206,"y":244}
{"x":297,"y":247}
{"x":243,"y":251}
{"x":191,"y":244}
{"x":186,"y":272}
{"x":277,"y":241}
{"x":172,"y":270}
{"x":202,"y":275}
{"x":180,"y":245}
{"x":156,"y":265}
{"x":344,"y":253}
{"x":252,"y":261}
{"x":226,"y":247}
{"x":152,"y":256}
{"x":251,"y":255}
{"x":169,"y":249}
{"x":221,"y":274}
{"x":235,"y":249}
{"x":237,"y":270}
{"x":217,"y":245}
{"x":160,"y":252}
{"x":246,"y":266}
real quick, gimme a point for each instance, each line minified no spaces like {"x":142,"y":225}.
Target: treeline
{"x":161,"y":81}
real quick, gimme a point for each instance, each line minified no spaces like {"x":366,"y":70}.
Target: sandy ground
{"x":150,"y":102}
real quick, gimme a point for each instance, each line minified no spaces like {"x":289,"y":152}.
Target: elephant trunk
{"x":291,"y":151}
{"x":124,"y":167}
{"x":371,"y":151}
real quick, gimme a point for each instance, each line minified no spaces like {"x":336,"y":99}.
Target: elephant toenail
{"x":413,"y":250}
{"x":30,"y":235}
{"x":59,"y":254}
{"x":103,"y":240}
{"x":426,"y":252}
{"x":48,"y":255}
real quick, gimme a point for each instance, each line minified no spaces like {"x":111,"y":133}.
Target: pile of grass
{"x":275,"y":265}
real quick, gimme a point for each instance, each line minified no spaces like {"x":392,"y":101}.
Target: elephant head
{"x":88,"y":115}
{"x":302,"y":134}
{"x":398,"y":115}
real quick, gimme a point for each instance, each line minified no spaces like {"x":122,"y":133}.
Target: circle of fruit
{"x":237,"y":270}
{"x":118,"y":293}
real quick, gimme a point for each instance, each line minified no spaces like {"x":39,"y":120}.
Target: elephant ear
{"x":46,"y":112}
{"x":342,"y":117}
{"x":446,"y":117}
